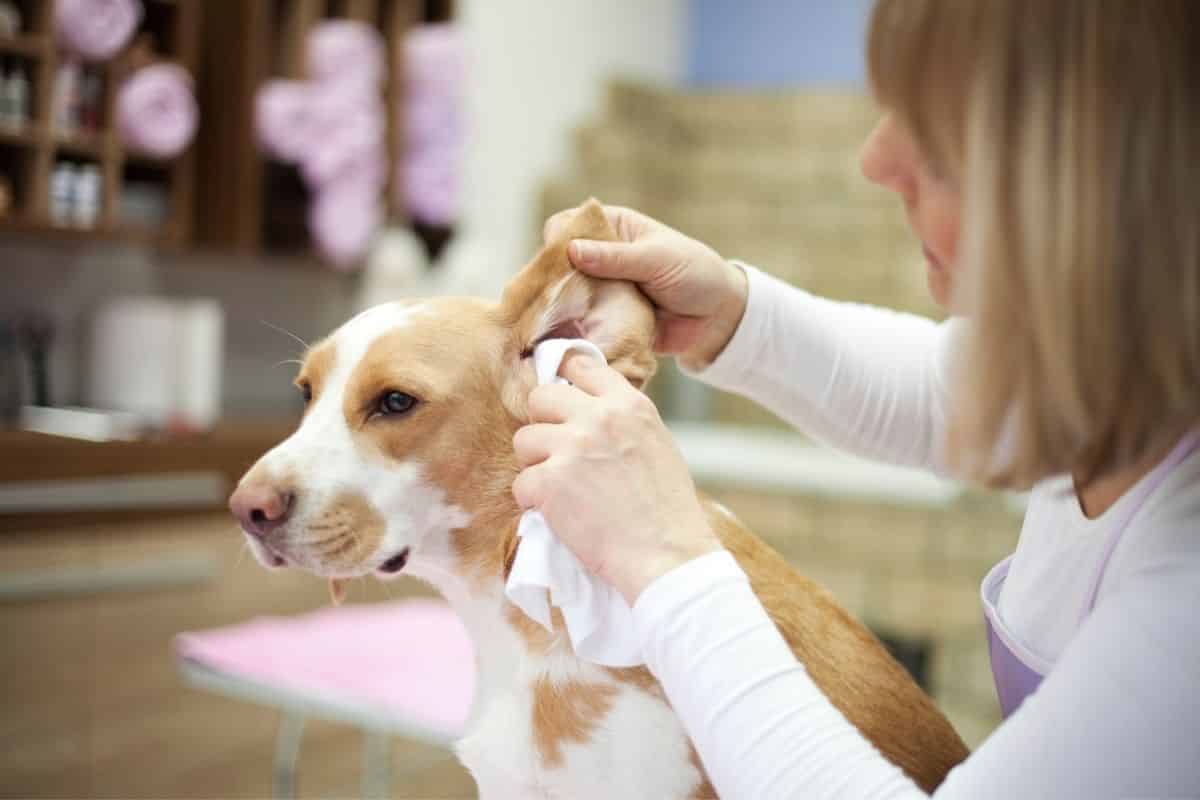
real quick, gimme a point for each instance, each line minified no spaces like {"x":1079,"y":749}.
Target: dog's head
{"x":405,"y":448}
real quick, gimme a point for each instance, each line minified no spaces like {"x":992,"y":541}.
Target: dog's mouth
{"x":267,"y":554}
{"x":396,"y":563}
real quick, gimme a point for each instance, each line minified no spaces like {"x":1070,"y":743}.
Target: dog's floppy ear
{"x":550,"y":299}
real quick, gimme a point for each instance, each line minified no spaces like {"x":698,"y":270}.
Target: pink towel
{"x":156,"y":110}
{"x":412,"y":659}
{"x":97,"y":29}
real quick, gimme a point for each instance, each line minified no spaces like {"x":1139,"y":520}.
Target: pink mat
{"x":412,"y":658}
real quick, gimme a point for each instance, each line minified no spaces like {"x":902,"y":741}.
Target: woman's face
{"x":891,"y":159}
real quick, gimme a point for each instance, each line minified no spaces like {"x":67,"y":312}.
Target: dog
{"x":403,"y":463}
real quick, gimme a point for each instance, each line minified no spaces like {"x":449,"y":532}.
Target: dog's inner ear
{"x":550,"y":299}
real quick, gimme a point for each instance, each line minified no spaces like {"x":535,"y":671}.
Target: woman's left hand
{"x":601,"y":466}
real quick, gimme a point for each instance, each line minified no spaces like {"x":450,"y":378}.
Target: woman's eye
{"x":306,"y":392}
{"x":396,"y":403}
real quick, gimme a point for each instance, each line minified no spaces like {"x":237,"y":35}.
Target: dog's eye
{"x":306,"y":392}
{"x":396,"y":403}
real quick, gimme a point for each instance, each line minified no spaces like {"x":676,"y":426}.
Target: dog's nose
{"x":260,"y":508}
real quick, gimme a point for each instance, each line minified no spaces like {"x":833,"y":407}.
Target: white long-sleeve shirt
{"x":1117,"y":717}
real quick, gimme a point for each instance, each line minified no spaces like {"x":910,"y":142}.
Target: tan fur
{"x":567,"y":712}
{"x":705,"y":790}
{"x":318,"y":363}
{"x":348,"y":530}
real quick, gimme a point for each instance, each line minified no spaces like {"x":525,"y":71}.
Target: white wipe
{"x":545,"y":572}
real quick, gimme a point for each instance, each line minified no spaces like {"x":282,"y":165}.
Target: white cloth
{"x":1119,"y":714}
{"x":545,"y":572}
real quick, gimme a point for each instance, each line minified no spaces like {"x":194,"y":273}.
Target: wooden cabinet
{"x":31,"y":151}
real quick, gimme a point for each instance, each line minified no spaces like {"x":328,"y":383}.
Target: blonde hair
{"x":1072,"y":128}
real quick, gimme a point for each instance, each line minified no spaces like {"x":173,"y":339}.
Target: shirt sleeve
{"x":864,"y":379}
{"x":1118,"y":717}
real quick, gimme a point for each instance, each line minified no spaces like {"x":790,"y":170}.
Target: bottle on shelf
{"x":62,"y":190}
{"x":85,"y":196}
{"x":66,"y":99}
{"x":18,"y":98}
{"x":10,"y":19}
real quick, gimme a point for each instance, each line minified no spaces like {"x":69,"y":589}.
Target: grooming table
{"x":396,"y":669}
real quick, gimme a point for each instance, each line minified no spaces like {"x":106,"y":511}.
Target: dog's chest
{"x":580,"y":740}
{"x":551,"y":726}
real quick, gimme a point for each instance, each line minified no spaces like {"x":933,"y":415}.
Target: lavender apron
{"x":1016,"y":669}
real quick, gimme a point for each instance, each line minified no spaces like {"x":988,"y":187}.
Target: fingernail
{"x":581,"y":252}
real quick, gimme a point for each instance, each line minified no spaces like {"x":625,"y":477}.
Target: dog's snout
{"x":260,"y":507}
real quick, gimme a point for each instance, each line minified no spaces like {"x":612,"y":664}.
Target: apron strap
{"x":1184,"y":448}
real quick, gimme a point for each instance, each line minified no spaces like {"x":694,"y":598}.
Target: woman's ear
{"x":550,"y":299}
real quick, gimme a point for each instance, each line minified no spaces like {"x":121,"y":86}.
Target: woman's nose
{"x":884,"y":159}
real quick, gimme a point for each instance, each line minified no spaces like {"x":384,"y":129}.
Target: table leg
{"x":377,"y":766}
{"x":287,"y":755}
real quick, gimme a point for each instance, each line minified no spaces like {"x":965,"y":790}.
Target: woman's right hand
{"x":700,"y":297}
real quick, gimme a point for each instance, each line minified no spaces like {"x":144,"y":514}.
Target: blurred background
{"x":191,"y":189}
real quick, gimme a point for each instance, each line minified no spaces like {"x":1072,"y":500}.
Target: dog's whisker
{"x":286,"y":332}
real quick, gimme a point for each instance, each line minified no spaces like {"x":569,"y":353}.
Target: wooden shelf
{"x":28,"y":45}
{"x":89,"y":145}
{"x":28,"y":136}
{"x":41,"y":228}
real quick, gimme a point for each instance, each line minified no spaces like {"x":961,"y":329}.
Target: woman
{"x":1048,"y":158}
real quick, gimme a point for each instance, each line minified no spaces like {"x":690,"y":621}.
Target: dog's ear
{"x":550,"y":299}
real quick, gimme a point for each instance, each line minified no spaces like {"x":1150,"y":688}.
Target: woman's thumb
{"x":620,"y":260}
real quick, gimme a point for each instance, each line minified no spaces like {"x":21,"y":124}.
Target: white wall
{"x":538,"y":68}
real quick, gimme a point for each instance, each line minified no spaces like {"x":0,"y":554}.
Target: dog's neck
{"x":470,"y":568}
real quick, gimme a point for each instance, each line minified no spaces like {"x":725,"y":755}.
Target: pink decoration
{"x":347,"y":53}
{"x":285,"y":118}
{"x":412,"y":660}
{"x":343,"y":219}
{"x":335,"y":128}
{"x":156,"y":110}
{"x":429,"y":175}
{"x":434,"y":54}
{"x":348,"y":139}
{"x":97,"y":30}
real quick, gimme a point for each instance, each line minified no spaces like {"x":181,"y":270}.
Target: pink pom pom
{"x":347,"y":53}
{"x":285,"y":118}
{"x":156,"y":110}
{"x":343,"y":219}
{"x":97,"y":29}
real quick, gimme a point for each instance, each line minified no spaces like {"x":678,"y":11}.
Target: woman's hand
{"x":700,"y":296}
{"x":601,"y":466}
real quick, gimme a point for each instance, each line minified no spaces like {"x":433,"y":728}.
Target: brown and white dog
{"x":404,"y":462}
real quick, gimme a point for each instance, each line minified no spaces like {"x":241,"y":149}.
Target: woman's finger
{"x":527,"y":488}
{"x":534,"y":443}
{"x":586,"y":372}
{"x":556,"y":402}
